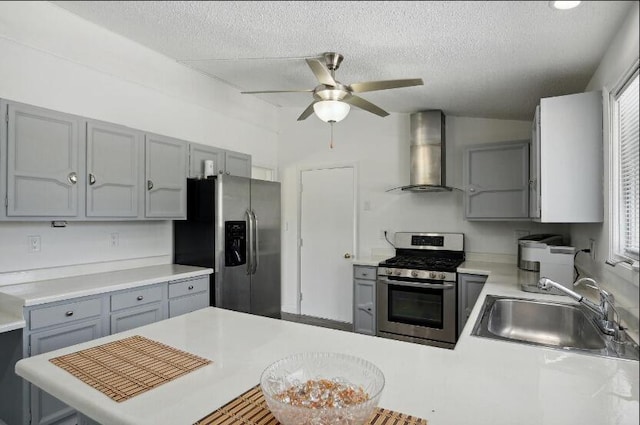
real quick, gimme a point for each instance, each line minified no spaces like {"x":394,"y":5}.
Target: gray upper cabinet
{"x":237,"y":164}
{"x":496,"y":181}
{"x":198,"y":154}
{"x":165,"y":175}
{"x":43,"y":167}
{"x":114,"y":165}
{"x":224,"y":162}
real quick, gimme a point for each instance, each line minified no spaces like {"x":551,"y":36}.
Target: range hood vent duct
{"x":427,"y":154}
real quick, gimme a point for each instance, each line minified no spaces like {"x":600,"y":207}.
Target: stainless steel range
{"x":416,"y":289}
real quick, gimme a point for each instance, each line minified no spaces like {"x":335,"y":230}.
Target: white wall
{"x":54,"y":59}
{"x":380,"y":148}
{"x":620,"y":56}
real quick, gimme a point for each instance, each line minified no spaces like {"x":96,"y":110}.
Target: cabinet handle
{"x":149,"y":185}
{"x":190,"y":287}
{"x":220,"y":172}
{"x":92,"y":179}
{"x":140,"y":298}
{"x":69,"y":313}
{"x":72,"y":177}
{"x":228,"y":173}
{"x":369,"y":308}
{"x":471,"y":190}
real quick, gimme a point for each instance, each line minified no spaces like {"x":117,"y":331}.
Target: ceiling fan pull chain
{"x":331,"y":142}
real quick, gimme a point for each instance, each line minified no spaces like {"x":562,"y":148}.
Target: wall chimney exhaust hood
{"x":427,"y":154}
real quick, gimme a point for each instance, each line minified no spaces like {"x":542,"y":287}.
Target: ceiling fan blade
{"x":321,"y":72}
{"x":366,"y":105}
{"x":385,"y":85}
{"x":276,"y":91}
{"x":304,"y":115}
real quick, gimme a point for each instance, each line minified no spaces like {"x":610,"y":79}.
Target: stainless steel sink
{"x":550,"y":324}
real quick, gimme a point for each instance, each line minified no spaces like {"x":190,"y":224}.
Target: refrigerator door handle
{"x":250,"y":234}
{"x":256,"y":255}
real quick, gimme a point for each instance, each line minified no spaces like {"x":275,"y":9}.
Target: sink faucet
{"x":604,"y":311}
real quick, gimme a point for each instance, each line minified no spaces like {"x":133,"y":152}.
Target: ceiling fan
{"x":332,"y":99}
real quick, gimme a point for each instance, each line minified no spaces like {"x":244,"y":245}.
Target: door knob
{"x":347,"y":255}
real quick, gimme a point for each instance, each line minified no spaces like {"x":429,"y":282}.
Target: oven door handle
{"x":388,"y":281}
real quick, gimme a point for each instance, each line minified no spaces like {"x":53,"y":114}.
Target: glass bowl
{"x":340,"y":369}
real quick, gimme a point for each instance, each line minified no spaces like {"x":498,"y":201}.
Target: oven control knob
{"x":443,"y":276}
{"x":389,"y":271}
{"x":414,"y":274}
{"x":398,"y":272}
{"x":432,"y":275}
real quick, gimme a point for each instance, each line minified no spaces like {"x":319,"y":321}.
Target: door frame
{"x":350,"y":164}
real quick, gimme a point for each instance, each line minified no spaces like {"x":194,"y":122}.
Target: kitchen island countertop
{"x":481,"y":381}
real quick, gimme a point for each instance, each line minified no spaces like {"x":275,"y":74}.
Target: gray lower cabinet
{"x":166,"y":177}
{"x":52,"y":328}
{"x":44,"y":177}
{"x":496,"y":181}
{"x":469,"y":288}
{"x":61,"y":324}
{"x":114,"y":165}
{"x":137,"y":307}
{"x":364,"y":300}
{"x":187,"y":295}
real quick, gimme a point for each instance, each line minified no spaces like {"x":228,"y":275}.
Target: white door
{"x":327,"y":233}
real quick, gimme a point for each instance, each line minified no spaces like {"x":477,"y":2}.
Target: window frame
{"x":616,"y":248}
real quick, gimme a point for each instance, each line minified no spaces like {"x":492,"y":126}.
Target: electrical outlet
{"x":115,"y":240}
{"x":592,"y":249}
{"x":34,"y":243}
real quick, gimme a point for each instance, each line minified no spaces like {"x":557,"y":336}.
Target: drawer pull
{"x":69,"y":313}
{"x":368,"y":308}
{"x":140,"y":298}
{"x":190,"y":287}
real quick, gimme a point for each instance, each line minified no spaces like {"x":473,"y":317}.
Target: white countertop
{"x":13,"y":298}
{"x":480,"y":382}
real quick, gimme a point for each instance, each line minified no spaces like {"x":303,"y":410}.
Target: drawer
{"x":64,"y":313}
{"x":136,"y":297}
{"x":187,"y":304}
{"x":364,"y":272}
{"x":179,"y":288}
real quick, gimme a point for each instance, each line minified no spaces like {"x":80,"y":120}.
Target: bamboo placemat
{"x":125,"y":368}
{"x":250,"y":408}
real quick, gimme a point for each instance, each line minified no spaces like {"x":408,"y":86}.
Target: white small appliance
{"x":556,"y":262}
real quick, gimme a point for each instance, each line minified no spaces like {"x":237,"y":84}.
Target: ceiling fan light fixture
{"x":331,"y":110}
{"x":564,"y":5}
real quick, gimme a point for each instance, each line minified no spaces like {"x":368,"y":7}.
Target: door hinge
{"x":300,"y":296}
{"x":300,"y":242}
{"x":6,"y":201}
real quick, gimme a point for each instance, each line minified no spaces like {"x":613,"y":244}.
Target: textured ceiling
{"x":482,"y":59}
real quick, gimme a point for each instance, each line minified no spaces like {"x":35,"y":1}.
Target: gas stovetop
{"x":430,"y":256}
{"x":423,"y":263}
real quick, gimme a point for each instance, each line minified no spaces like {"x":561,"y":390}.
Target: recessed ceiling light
{"x":564,"y":5}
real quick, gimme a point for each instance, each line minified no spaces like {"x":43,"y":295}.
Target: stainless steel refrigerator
{"x":233,"y":226}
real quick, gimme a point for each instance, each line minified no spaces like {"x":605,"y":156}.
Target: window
{"x":625,"y":200}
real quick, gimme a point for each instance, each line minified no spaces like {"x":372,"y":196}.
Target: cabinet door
{"x":114,"y":164}
{"x":534,"y":167}
{"x":135,"y":317}
{"x":188,"y":304}
{"x":198,"y":154}
{"x":46,"y":409}
{"x":166,"y":178}
{"x":469,"y":288}
{"x":364,"y":312}
{"x":496,"y":179}
{"x":237,"y":164}
{"x":43,"y":175}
